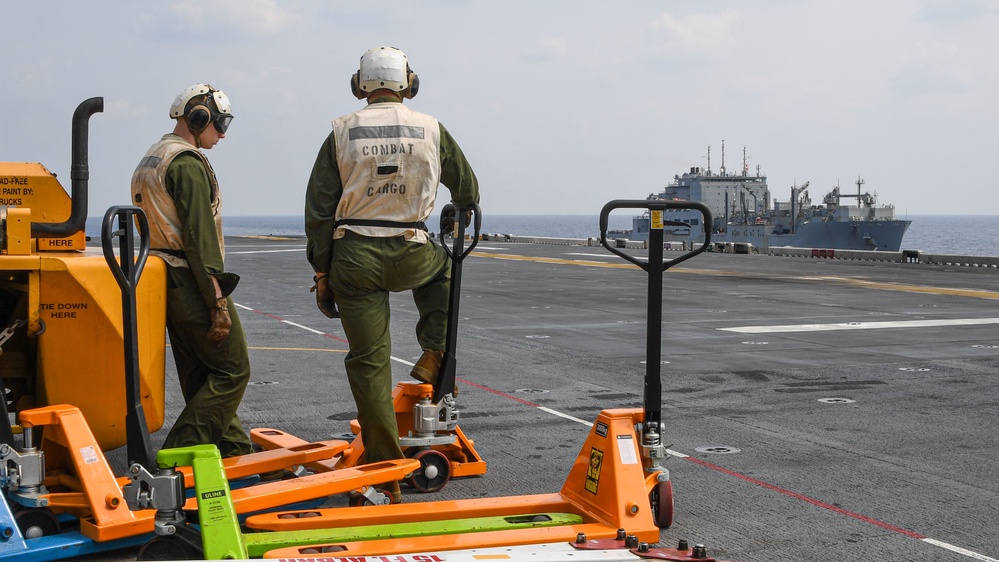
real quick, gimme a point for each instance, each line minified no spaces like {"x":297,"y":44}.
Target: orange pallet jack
{"x":617,"y":494}
{"x":428,"y":415}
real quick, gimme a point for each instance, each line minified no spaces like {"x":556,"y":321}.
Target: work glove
{"x":324,"y":297}
{"x":448,"y":218}
{"x":221,"y":322}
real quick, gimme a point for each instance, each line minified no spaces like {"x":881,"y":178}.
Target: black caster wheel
{"x":434,"y":472}
{"x":36,"y":522}
{"x":661,"y":501}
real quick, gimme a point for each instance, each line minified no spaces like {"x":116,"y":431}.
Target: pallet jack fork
{"x":504,"y":527}
{"x":617,"y":494}
{"x":427,"y":415}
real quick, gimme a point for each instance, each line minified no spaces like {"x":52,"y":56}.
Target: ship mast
{"x":722,"y":169}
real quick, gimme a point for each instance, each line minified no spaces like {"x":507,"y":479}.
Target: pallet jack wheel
{"x":661,"y":500}
{"x":184,"y":545}
{"x":434,"y":472}
{"x":36,"y":522}
{"x":357,"y":500}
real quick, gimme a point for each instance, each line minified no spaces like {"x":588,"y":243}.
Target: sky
{"x":560,"y":106}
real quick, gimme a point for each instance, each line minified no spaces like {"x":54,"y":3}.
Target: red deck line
{"x":807,"y":499}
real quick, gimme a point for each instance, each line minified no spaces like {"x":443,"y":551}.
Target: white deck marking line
{"x":959,"y":550}
{"x":306,"y":328}
{"x":860,"y":326}
{"x":566,"y":416}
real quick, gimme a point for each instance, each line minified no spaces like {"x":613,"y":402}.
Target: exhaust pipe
{"x":79,"y":175}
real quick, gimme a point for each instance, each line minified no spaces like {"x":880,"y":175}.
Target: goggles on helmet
{"x":221,"y":122}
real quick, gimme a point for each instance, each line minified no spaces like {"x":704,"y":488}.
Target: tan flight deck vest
{"x":389,"y":160}
{"x":149,"y":194}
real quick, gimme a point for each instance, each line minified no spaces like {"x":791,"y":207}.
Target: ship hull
{"x":880,"y":235}
{"x":884,"y":235}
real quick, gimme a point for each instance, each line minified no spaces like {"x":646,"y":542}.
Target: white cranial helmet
{"x":384,"y":68}
{"x":201,"y":113}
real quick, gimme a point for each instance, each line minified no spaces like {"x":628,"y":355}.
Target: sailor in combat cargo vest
{"x":373,"y":186}
{"x":176,"y":187}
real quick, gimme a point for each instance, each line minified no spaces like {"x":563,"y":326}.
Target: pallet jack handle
{"x":456,"y":215}
{"x":127,"y":273}
{"x":655,"y":267}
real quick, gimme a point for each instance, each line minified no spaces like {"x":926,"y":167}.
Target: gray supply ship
{"x":745,"y":213}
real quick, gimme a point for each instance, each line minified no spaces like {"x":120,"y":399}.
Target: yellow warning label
{"x":593,"y":471}
{"x":657,"y":219}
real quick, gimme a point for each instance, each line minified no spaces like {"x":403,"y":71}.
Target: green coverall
{"x":363,"y":271}
{"x":212,"y":376}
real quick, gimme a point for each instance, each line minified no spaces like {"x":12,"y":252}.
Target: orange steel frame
{"x":608,"y":486}
{"x":464,"y":459}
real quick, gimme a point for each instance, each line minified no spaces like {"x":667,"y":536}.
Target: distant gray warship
{"x":744,"y":213}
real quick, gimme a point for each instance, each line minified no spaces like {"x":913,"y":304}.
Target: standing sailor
{"x":373,"y":186}
{"x":175,"y":186}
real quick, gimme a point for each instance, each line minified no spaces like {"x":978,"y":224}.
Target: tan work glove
{"x":324,"y":296}
{"x":221,"y":322}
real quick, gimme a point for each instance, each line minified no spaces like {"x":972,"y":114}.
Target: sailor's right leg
{"x":364,"y":315}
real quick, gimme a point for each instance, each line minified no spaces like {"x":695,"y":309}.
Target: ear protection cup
{"x":355,"y":86}
{"x":414,"y":85}
{"x":198,"y":117}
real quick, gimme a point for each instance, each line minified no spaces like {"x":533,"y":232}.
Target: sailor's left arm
{"x":456,"y":172}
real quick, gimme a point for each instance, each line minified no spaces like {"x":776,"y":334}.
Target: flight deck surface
{"x":816,"y":409}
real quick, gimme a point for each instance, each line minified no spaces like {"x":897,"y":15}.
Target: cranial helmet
{"x":201,"y":105}
{"x":384,"y":68}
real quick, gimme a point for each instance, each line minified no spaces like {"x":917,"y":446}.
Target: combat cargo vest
{"x":149,"y":194}
{"x":389,"y":160}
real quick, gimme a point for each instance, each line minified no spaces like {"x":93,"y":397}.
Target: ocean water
{"x":965,"y":235}
{"x":974,"y":235}
{"x":548,"y":226}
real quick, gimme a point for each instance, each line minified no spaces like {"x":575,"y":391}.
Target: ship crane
{"x":799,"y":194}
